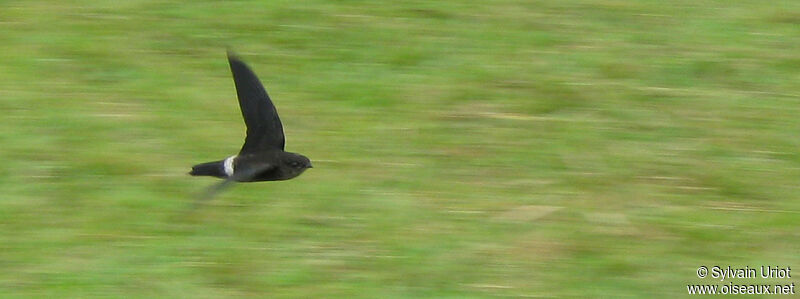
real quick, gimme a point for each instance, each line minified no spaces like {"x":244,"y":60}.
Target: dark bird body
{"x":262,"y":157}
{"x":260,"y":163}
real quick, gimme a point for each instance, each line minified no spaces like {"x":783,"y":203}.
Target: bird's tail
{"x":215,"y":169}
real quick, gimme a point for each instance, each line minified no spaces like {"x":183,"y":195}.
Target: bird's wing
{"x":243,"y":175}
{"x":264,"y":129}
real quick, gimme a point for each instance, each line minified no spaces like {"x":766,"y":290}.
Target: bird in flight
{"x":262,"y":157}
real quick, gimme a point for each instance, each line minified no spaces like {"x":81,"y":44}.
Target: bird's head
{"x":296,"y":163}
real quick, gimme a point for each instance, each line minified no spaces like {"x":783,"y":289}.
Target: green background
{"x":586,"y":148}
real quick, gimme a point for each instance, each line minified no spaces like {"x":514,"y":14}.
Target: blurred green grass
{"x":584,"y":148}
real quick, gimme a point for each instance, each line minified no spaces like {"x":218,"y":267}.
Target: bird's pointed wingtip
{"x":231,"y":53}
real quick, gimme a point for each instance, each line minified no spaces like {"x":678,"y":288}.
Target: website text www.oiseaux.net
{"x":731,"y":288}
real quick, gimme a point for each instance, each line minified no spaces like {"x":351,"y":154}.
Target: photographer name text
{"x":747,"y":272}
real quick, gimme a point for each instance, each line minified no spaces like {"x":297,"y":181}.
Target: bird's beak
{"x":310,"y":166}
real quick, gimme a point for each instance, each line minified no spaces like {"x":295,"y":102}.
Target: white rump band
{"x":229,"y":165}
